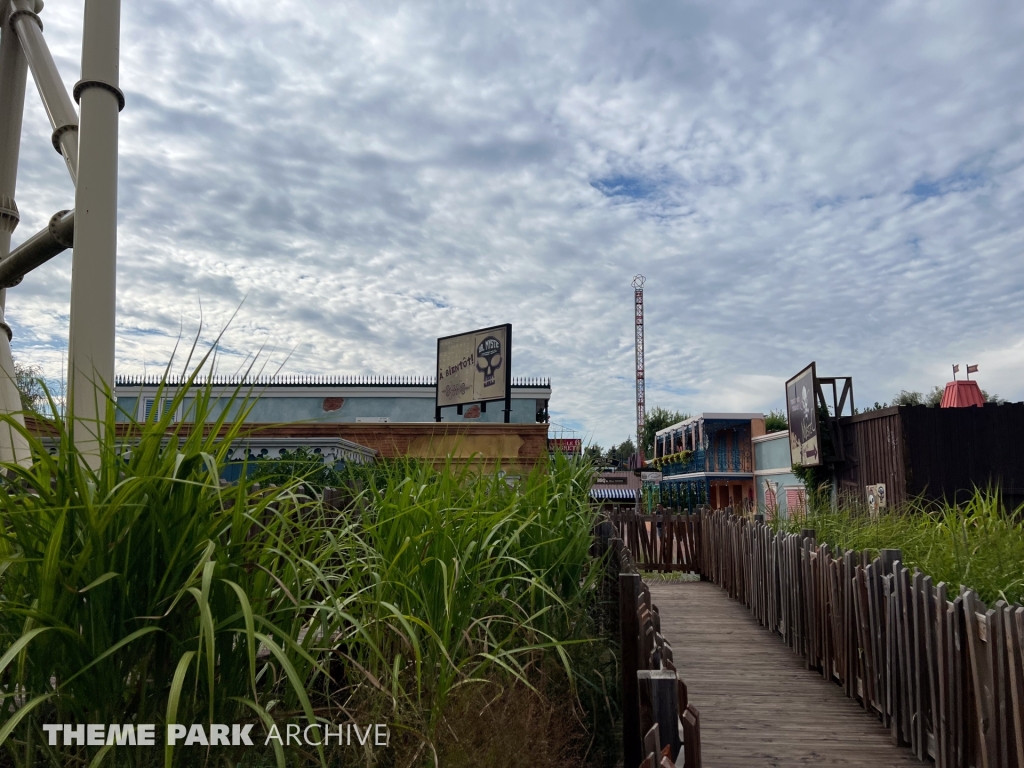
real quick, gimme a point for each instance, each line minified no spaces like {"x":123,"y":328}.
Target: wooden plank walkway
{"x":758,"y":705}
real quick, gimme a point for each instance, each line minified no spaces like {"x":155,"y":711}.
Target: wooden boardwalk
{"x":758,"y":704}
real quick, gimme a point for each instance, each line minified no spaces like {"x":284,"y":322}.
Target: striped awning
{"x":613,"y":494}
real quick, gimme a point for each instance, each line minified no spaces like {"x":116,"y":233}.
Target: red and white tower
{"x":638,"y":300}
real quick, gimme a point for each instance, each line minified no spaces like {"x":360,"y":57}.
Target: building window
{"x":166,"y":405}
{"x":771,"y":500}
{"x":796,"y":502}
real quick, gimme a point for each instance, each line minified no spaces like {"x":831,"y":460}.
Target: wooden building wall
{"x":953,"y":450}
{"x":935,"y":452}
{"x":875,"y":453}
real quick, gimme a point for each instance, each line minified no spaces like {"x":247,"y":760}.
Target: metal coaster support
{"x":13,"y":76}
{"x":88,"y":144}
{"x":94,"y":265}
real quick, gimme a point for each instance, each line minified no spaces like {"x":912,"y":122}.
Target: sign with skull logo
{"x":488,"y":359}
{"x":474,"y":367}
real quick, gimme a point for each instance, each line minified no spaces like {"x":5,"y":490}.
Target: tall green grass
{"x":144,"y":591}
{"x":472,"y":572}
{"x":979,"y":544}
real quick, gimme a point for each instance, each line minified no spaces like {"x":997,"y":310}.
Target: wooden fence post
{"x":658,"y":688}
{"x":691,"y":737}
{"x":629,"y":640}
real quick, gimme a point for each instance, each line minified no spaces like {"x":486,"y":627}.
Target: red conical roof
{"x":962,"y":394}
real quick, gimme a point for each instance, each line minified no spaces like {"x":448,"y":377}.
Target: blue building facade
{"x":708,"y":459}
{"x":320,"y":399}
{"x":780,"y":493}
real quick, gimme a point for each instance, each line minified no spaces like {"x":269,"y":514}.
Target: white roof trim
{"x":257,"y":391}
{"x":711,"y":417}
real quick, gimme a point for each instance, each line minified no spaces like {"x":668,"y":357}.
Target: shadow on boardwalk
{"x":758,"y":705}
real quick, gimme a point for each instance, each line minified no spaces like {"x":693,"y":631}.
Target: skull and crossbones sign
{"x":488,"y":358}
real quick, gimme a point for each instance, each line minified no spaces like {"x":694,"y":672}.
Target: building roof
{"x":613,"y":494}
{"x":962,"y":394}
{"x":303,"y":380}
{"x":711,"y":417}
{"x":318,"y":386}
{"x":329,"y":448}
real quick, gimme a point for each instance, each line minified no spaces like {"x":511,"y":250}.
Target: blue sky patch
{"x":958,"y":181}
{"x":631,"y":187}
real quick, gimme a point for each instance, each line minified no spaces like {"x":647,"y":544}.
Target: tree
{"x":657,"y":419}
{"x":593,"y":452}
{"x":908,"y":398}
{"x":993,"y":398}
{"x":776,"y":421}
{"x":29,"y":380}
{"x":619,"y":454}
{"x":933,"y":399}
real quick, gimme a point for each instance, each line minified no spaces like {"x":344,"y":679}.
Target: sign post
{"x":475,"y":368}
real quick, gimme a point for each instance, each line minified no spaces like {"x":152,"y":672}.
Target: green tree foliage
{"x":29,"y":380}
{"x":619,"y":454}
{"x":776,"y":421}
{"x":932,"y":399}
{"x":908,"y":398}
{"x":657,"y":419}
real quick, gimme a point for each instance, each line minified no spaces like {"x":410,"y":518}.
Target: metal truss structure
{"x":638,"y":305}
{"x":87,"y":140}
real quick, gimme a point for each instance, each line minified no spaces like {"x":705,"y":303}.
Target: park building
{"x":331,"y":399}
{"x":353,"y":418}
{"x":779,"y":492}
{"x":727,"y":460}
{"x":709,"y":459}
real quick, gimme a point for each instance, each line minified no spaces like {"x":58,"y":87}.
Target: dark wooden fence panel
{"x":952,"y":450}
{"x":666,"y":542}
{"x":944,"y":673}
{"x":936,"y":453}
{"x":658,"y":721}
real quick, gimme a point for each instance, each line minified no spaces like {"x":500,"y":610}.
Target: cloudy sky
{"x":839,"y":182}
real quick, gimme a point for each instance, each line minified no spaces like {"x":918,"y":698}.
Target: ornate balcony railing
{"x":737,"y":459}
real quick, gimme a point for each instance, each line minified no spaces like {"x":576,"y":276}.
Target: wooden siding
{"x":935,"y":452}
{"x":875,"y":453}
{"x":952,"y":450}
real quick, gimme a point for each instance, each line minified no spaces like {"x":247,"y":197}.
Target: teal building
{"x":779,"y":492}
{"x":333,"y":399}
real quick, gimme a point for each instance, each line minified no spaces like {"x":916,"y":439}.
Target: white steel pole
{"x":56,"y":101}
{"x":13,"y":73}
{"x":93,"y":267}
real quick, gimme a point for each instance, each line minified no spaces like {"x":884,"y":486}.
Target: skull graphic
{"x":488,"y":358}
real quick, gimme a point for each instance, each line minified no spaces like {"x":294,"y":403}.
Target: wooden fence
{"x":658,"y":721}
{"x":944,"y":672}
{"x":665,"y":542}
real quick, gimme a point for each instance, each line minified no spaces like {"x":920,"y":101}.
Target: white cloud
{"x":839,"y":183}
